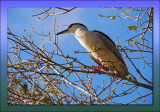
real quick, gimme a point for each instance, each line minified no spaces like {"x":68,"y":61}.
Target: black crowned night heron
{"x":100,"y":48}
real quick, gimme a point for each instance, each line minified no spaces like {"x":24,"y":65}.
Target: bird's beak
{"x":62,"y":32}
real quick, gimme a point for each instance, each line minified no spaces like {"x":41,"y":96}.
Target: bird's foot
{"x":116,"y":74}
{"x":100,"y":67}
{"x":113,"y":77}
{"x":96,"y":68}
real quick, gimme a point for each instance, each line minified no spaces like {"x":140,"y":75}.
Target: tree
{"x":38,"y":75}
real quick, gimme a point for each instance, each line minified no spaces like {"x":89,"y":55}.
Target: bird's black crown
{"x":77,"y":24}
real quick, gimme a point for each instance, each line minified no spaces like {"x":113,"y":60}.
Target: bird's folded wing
{"x":98,"y":62}
{"x":112,"y":53}
{"x":110,"y":45}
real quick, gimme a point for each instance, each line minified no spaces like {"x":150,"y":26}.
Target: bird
{"x":100,"y":48}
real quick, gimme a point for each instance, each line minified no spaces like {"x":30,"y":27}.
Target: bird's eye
{"x":70,"y":26}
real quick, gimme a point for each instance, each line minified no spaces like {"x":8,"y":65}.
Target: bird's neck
{"x":80,"y":32}
{"x":83,"y":39}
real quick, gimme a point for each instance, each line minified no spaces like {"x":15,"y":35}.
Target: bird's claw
{"x":100,"y":67}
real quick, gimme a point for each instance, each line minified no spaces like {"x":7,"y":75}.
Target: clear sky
{"x":18,"y":19}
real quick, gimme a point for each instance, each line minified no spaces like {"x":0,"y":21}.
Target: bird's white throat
{"x":85,"y":41}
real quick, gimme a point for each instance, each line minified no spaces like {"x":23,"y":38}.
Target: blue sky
{"x":19,"y":19}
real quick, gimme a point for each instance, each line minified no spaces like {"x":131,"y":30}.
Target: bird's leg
{"x":101,"y":67}
{"x":96,"y":68}
{"x":114,"y":73}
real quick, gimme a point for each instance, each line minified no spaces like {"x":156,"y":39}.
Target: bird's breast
{"x":85,"y":42}
{"x":88,"y":40}
{"x":91,"y":43}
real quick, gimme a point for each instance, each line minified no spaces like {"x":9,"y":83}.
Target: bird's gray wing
{"x":112,"y":52}
{"x":98,"y":62}
{"x":111,"y":46}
